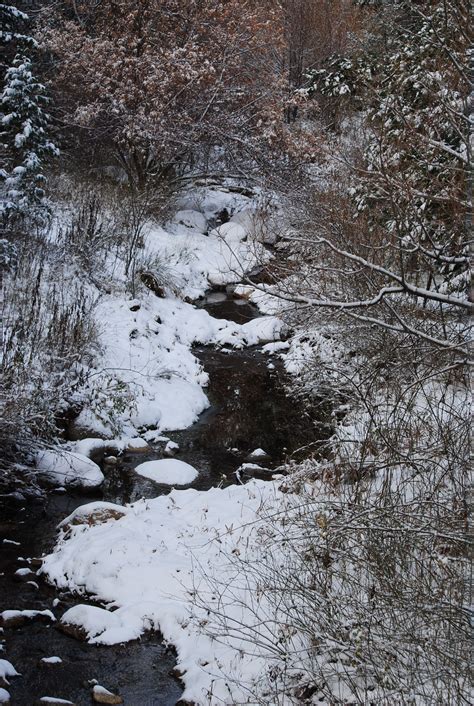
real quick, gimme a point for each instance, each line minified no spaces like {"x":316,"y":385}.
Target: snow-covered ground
{"x":147,"y":566}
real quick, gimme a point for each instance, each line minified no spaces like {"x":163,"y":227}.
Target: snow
{"x":145,"y":376}
{"x":149,"y":352}
{"x":196,"y":260}
{"x":258,"y":453}
{"x":231,"y":233}
{"x":168,"y":471}
{"x":4,"y":696}
{"x":51,"y":660}
{"x":250,"y":467}
{"x":191,"y":219}
{"x":22,"y":572}
{"x":137,"y":444}
{"x":147,"y":564}
{"x":69,"y":468}
{"x":87,"y":447}
{"x":9,"y":614}
{"x":277,"y":347}
{"x":97,"y":689}
{"x":105,"y":627}
{"x":96,"y":509}
{"x":264,"y":329}
{"x":54,"y":700}
{"x":7,"y":670}
{"x":264,"y":297}
{"x":171,"y":448}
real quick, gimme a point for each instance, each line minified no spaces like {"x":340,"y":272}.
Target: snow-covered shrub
{"x":354,"y":588}
{"x":48,"y":335}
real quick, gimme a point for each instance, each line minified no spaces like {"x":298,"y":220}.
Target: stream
{"x":249,"y":409}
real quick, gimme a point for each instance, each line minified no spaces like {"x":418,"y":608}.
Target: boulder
{"x":22,"y":575}
{"x":96,"y":513}
{"x":258,"y":455}
{"x":49,"y":661}
{"x":171,"y":449}
{"x":137,"y":446}
{"x":17,"y":618}
{"x":61,"y":467}
{"x":191,"y":219}
{"x":102,"y":696}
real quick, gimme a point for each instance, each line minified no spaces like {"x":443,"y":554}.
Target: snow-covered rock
{"x":92,"y":448}
{"x":4,"y":696}
{"x":230,"y":232}
{"x":171,"y":448}
{"x":191,"y":219}
{"x":7,"y":670}
{"x":168,"y":471}
{"x":99,"y":626}
{"x":258,"y":455}
{"x":16,"y":618}
{"x":69,"y":468}
{"x":94,"y":513}
{"x":24,"y":574}
{"x":101,"y":695}
{"x":276,"y":347}
{"x":138,"y":445}
{"x":50,"y":660}
{"x":264,"y":329}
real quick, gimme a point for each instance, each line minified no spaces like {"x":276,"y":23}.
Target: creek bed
{"x":249,"y":409}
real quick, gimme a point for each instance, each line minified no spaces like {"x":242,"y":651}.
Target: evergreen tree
{"x":24,"y":128}
{"x":12,"y":23}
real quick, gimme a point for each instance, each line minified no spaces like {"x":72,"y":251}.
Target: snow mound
{"x":103,"y":627}
{"x":94,"y":513}
{"x":7,"y":670}
{"x":263,"y":330}
{"x":191,"y":219}
{"x":258,"y":453}
{"x":271,"y":348}
{"x":69,"y":468}
{"x":4,"y":696}
{"x":230,"y":232}
{"x":169,"y":471}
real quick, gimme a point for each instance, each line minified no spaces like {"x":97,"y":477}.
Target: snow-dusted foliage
{"x":25,"y":140}
{"x":13,"y":25}
{"x":414,"y":94}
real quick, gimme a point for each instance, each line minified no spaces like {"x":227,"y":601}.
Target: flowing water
{"x":249,"y":408}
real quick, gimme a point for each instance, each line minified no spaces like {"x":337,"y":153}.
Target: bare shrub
{"x":355,"y":588}
{"x":48,"y":335}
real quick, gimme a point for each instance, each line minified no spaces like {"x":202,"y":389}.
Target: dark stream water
{"x":249,"y":409}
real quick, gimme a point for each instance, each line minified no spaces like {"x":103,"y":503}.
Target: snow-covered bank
{"x":149,"y":351}
{"x":147,"y":565}
{"x":146,"y":375}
